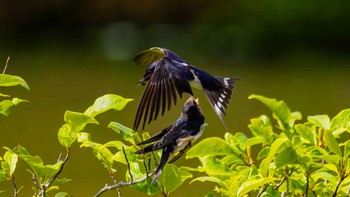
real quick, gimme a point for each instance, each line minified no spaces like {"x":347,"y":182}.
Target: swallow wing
{"x":156,"y":136}
{"x":148,"y":56}
{"x":220,"y":96}
{"x":167,"y":79}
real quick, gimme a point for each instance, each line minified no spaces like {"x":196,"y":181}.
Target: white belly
{"x":196,"y":83}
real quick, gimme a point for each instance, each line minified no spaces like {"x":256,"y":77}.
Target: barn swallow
{"x":167,"y":74}
{"x":175,"y":139}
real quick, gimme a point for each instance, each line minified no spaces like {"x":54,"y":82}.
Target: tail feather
{"x":167,"y":152}
{"x":219,"y":99}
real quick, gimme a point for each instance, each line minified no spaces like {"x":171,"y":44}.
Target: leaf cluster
{"x":297,"y":159}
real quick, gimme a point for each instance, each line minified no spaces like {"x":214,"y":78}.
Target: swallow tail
{"x":219,"y":99}
{"x":167,"y":152}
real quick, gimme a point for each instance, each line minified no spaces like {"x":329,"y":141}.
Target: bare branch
{"x":121,"y":184}
{"x":127,"y":162}
{"x":15,"y":192}
{"x":7,"y":62}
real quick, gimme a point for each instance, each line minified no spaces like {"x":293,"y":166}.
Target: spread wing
{"x":166,"y":80}
{"x":219,"y":98}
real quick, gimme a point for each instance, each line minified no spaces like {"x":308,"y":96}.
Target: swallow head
{"x":192,"y":110}
{"x":148,"y":73}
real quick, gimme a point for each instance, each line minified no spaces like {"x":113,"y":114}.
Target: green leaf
{"x":213,"y":166}
{"x":308,"y":134}
{"x":11,"y":80}
{"x":138,"y":172}
{"x":105,"y":103}
{"x":11,"y":160}
{"x":77,"y":121}
{"x":280,"y":110}
{"x":126,"y":133}
{"x":210,"y":147}
{"x":61,"y":194}
{"x":4,"y":95}
{"x":207,"y":179}
{"x":102,"y":153}
{"x":66,"y":137}
{"x":42,"y":172}
{"x":264,"y":152}
{"x":172,"y":177}
{"x":331,"y":143}
{"x":289,"y":156}
{"x":340,"y":120}
{"x":262,"y":127}
{"x":6,"y":105}
{"x":254,"y":183}
{"x":321,"y":121}
{"x":346,"y":149}
{"x":275,"y":148}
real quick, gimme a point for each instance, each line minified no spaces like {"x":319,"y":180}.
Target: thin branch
{"x":129,"y":168}
{"x":7,"y":62}
{"x":122,"y":184}
{"x":43,"y":187}
{"x":15,"y":192}
{"x":281,"y":182}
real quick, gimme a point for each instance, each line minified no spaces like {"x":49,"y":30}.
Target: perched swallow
{"x":175,"y":139}
{"x":167,"y":74}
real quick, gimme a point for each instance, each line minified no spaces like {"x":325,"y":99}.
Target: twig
{"x":145,"y":166}
{"x":307,"y":184}
{"x":14,"y":186}
{"x":121,"y":184}
{"x":129,"y":168}
{"x":43,"y":187}
{"x":281,"y":182}
{"x":7,"y":62}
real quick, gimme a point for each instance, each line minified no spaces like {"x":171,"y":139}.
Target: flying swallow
{"x":167,"y":74}
{"x":175,"y":139}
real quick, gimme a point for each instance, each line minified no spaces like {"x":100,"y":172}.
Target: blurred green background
{"x":71,"y":52}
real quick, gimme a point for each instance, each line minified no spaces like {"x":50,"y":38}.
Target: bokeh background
{"x":71,"y":52}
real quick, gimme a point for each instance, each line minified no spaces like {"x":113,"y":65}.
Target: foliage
{"x":280,"y":158}
{"x":297,"y":159}
{"x":7,"y":81}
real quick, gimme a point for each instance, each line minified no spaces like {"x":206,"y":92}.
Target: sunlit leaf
{"x":275,"y":147}
{"x":172,"y":177}
{"x":213,"y":166}
{"x":6,"y":105}
{"x":11,"y":160}
{"x":103,"y":154}
{"x":280,"y":111}
{"x":138,"y":171}
{"x":331,"y":142}
{"x":308,"y":134}
{"x":321,"y":121}
{"x":66,"y":137}
{"x":264,"y":152}
{"x":252,"y":184}
{"x":11,"y":80}
{"x":262,"y":127}
{"x":4,"y":95}
{"x":340,"y":120}
{"x":346,"y":149}
{"x":210,"y":146}
{"x":105,"y":103}
{"x":289,"y":156}
{"x":61,"y":194}
{"x":125,"y":132}
{"x":77,"y":121}
{"x":207,"y":179}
